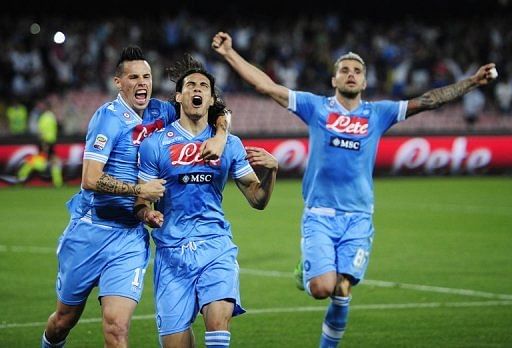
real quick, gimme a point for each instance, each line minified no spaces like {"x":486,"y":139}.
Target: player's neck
{"x":194,"y":126}
{"x":348,"y":102}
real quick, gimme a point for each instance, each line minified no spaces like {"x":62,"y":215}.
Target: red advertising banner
{"x":397,"y":155}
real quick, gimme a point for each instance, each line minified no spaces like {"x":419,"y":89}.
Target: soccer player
{"x":196,"y":267}
{"x":344,"y":131}
{"x":104,"y":244}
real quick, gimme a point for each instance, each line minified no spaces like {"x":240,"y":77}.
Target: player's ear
{"x":179,"y":97}
{"x":117,"y":82}
{"x":333,"y":82}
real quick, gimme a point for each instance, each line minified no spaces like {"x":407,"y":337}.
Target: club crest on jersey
{"x":189,"y":155}
{"x":347,"y":124}
{"x":142,"y":131}
{"x":343,"y":143}
{"x":100,"y":142}
{"x":195,"y":178}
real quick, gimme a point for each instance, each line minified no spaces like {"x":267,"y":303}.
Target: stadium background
{"x":448,"y":203}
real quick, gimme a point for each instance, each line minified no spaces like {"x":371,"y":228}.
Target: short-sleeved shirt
{"x":114,"y":135}
{"x":192,"y":203}
{"x":342,"y":149}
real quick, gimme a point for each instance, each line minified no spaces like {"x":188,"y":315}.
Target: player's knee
{"x":115,"y":328}
{"x":321,"y":290}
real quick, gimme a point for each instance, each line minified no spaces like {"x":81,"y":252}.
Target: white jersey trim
{"x":95,"y":157}
{"x":146,"y":177}
{"x":402,"y":110}
{"x":292,"y":101}
{"x":243,"y":172}
{"x":130,"y":110}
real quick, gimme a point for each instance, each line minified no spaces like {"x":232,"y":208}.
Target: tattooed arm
{"x":93,"y":178}
{"x":437,"y":97}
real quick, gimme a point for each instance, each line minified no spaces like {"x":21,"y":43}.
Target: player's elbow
{"x":258,"y":206}
{"x":88,"y":183}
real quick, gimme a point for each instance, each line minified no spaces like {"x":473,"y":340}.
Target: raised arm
{"x":223,"y":45}
{"x":258,"y":188}
{"x":435,"y":98}
{"x":93,"y":178}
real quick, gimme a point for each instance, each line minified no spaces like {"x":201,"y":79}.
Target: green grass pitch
{"x":440,"y":273}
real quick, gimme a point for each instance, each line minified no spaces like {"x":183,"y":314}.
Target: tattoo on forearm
{"x":109,"y":184}
{"x":439,"y":96}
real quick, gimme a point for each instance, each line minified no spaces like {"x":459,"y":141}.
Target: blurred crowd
{"x":404,"y":57}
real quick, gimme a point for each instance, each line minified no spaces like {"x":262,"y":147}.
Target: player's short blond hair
{"x":349,"y":56}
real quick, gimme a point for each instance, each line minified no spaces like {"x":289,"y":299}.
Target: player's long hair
{"x":189,"y":65}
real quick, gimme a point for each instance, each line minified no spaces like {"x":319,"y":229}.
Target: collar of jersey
{"x":128,"y":108}
{"x":186,"y":134}
{"x":344,"y":110}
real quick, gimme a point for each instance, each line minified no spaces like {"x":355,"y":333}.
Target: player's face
{"x":350,"y":78}
{"x":196,"y":96}
{"x":136,"y":85}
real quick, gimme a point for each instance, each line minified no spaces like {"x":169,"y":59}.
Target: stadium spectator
{"x":344,"y":130}
{"x":308,"y":42}
{"x":503,"y":94}
{"x":46,"y":158}
{"x":196,"y":266}
{"x":104,"y":244}
{"x":17,"y":117}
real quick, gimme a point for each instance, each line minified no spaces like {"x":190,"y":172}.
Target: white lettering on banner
{"x":291,"y":155}
{"x":416,"y":153}
{"x":189,"y":154}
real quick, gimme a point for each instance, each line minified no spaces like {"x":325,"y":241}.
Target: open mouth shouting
{"x":197,"y":101}
{"x":141,"y":96}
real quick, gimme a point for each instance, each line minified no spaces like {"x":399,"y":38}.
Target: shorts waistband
{"x":321,"y":211}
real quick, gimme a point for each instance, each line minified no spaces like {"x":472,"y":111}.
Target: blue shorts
{"x":114,"y":259}
{"x":191,"y":276}
{"x":334,"y":241}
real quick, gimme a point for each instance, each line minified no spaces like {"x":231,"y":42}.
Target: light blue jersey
{"x":342,"y":149}
{"x":192,"y":204}
{"x":104,"y":245}
{"x":195,"y":261}
{"x":114,"y":135}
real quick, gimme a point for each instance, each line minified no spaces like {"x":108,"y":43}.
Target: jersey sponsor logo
{"x":189,"y":155}
{"x":100,"y":142}
{"x":195,"y":178}
{"x":343,"y":143}
{"x":346,"y":124}
{"x":142,"y":131}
